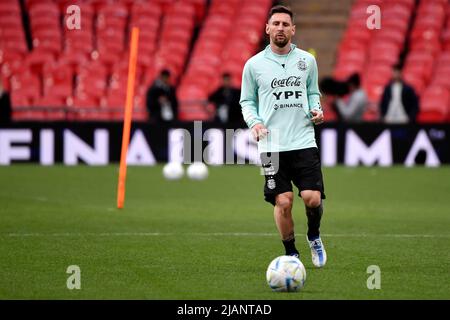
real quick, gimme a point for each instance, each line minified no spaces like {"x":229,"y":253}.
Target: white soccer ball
{"x":286,"y":274}
{"x":173,"y":171}
{"x":197,"y":171}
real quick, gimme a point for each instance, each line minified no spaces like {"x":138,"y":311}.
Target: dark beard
{"x":280,"y":43}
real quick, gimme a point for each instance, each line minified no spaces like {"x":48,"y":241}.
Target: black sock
{"x":289,"y":246}
{"x":314,"y":215}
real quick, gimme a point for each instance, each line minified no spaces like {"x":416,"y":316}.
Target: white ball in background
{"x":197,"y":171}
{"x":173,"y":171}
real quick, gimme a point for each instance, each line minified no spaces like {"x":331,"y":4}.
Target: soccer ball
{"x":173,"y":171}
{"x":197,"y":171}
{"x":286,"y":273}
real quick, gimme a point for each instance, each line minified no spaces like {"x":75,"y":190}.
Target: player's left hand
{"x":317,"y":116}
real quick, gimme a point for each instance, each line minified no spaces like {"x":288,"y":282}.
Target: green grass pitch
{"x":214,"y":239}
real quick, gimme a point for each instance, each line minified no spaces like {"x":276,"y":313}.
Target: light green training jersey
{"x":279,"y":91}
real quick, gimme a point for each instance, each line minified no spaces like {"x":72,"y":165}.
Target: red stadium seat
{"x":416,"y":81}
{"x":445,"y":36}
{"x":11,"y":22}
{"x":36,"y":59}
{"x":361,"y":35}
{"x":144,"y":23}
{"x":177,"y":35}
{"x":432,"y":47}
{"x":167,"y":29}
{"x":443,"y":60}
{"x":12,"y":33}
{"x":146,"y":9}
{"x":26,"y":84}
{"x":391,"y":34}
{"x":218,"y":21}
{"x":53,"y":107}
{"x":79,"y":41}
{"x":182,"y":8}
{"x":238,"y":52}
{"x":419,"y":58}
{"x":178,"y":22}
{"x":28,"y":114}
{"x":188,"y":93}
{"x":200,"y":9}
{"x":72,"y":59}
{"x":57,"y":80}
{"x":374,"y":79}
{"x":441,"y":79}
{"x":222,"y":8}
{"x":397,"y":24}
{"x":20,"y":100}
{"x":342,"y":72}
{"x":10,"y":56}
{"x":83,"y":101}
{"x":91,"y":80}
{"x":51,"y":101}
{"x":434,"y":105}
{"x":9,"y":7}
{"x":431,"y":8}
{"x":44,"y":9}
{"x":419,"y":70}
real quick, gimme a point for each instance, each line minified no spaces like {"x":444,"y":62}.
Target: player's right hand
{"x":259,"y":131}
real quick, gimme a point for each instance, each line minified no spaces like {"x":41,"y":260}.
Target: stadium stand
{"x":81,"y":74}
{"x":413,"y":33}
{"x":215,"y":52}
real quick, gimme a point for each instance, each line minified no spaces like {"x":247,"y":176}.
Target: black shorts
{"x":302,"y":167}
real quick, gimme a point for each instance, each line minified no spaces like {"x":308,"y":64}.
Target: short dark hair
{"x":397,"y":67}
{"x":354,"y":80}
{"x":281,"y":9}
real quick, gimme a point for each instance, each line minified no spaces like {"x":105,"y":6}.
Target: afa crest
{"x":301,"y":64}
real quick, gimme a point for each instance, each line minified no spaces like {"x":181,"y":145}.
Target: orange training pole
{"x":127,"y":117}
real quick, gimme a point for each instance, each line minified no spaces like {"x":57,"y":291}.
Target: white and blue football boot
{"x":318,"y":253}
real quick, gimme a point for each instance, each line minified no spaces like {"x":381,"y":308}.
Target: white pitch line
{"x":213,"y":234}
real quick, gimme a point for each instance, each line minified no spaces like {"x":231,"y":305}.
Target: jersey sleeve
{"x":249,"y":97}
{"x":312,"y":87}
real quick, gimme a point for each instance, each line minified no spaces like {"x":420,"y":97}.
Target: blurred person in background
{"x":162,"y":104}
{"x":352,"y":109}
{"x":5,"y":105}
{"x":226,"y":99}
{"x":399,"y":103}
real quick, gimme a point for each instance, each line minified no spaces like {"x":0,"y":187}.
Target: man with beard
{"x":162,"y":104}
{"x":280,"y":102}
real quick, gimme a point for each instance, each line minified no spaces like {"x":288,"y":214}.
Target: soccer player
{"x":280,"y":95}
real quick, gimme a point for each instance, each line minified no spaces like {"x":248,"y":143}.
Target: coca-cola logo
{"x":291,"y":81}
